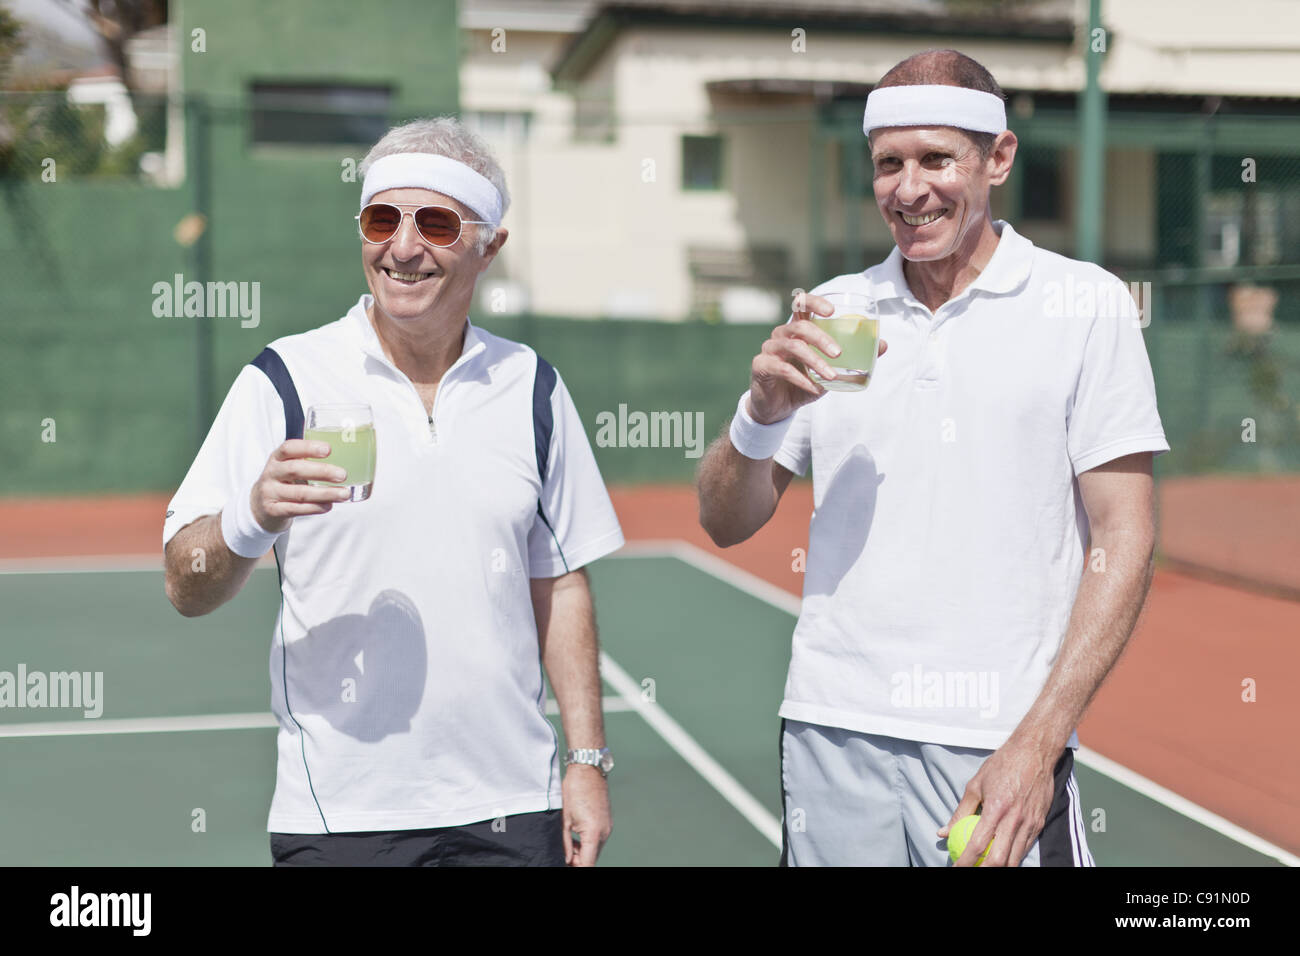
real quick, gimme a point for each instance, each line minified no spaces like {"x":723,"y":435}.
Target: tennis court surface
{"x":179,"y":767}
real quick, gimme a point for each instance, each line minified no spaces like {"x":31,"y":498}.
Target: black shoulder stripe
{"x":543,"y":421}
{"x":269,"y":361}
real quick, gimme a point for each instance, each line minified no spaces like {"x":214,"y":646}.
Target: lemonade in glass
{"x":856,"y":329}
{"x":350,"y":432}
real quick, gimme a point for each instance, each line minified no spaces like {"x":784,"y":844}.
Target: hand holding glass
{"x":350,"y":432}
{"x":856,"y":330}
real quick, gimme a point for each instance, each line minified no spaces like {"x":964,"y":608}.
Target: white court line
{"x":776,"y":597}
{"x":719,"y":568}
{"x":161,"y":725}
{"x":690,"y":751}
{"x":96,"y":563}
{"x":1149,"y":788}
{"x":83,"y":564}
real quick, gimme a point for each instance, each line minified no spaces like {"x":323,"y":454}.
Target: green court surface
{"x":696,"y":782}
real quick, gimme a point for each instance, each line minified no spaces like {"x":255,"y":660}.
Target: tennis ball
{"x":959,"y":835}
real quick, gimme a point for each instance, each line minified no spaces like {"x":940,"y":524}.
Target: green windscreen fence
{"x":95,"y":240}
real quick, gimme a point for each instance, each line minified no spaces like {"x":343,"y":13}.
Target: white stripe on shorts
{"x":1078,"y":840}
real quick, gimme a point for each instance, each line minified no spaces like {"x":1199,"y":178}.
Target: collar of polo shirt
{"x":1006,"y":272}
{"x":371,"y":345}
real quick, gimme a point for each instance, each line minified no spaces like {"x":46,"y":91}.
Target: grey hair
{"x":446,"y":136}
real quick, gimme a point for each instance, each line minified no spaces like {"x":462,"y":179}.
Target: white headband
{"x":438,"y":173}
{"x":934,"y":106}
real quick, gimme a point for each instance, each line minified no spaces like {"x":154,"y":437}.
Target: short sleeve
{"x":576,"y":523}
{"x":796,"y":451}
{"x":1113,"y":412}
{"x":248,"y":427}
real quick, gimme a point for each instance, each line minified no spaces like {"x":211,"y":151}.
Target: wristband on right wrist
{"x":753,"y":440}
{"x":244,"y":536}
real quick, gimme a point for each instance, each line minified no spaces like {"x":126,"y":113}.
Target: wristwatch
{"x":601,"y":759}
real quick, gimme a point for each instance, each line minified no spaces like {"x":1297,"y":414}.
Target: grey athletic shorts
{"x":854,"y":799}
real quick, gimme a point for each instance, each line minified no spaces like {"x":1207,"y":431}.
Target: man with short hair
{"x":955,"y":623}
{"x":414,"y":625}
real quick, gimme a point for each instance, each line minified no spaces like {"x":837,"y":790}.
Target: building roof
{"x":544,"y":16}
{"x":1050,"y":20}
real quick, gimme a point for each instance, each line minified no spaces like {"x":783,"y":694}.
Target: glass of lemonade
{"x":855,"y":327}
{"x":350,"y":432}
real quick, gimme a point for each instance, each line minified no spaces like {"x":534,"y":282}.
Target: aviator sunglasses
{"x":437,"y":225}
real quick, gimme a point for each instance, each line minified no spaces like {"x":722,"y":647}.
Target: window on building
{"x":502,"y":126}
{"x":701,"y":162}
{"x":1040,"y":183}
{"x":319,"y":113}
{"x":863,"y":172}
{"x":593,"y":115}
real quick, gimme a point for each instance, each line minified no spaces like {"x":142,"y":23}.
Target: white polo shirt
{"x":948,"y":536}
{"x":405,"y":668}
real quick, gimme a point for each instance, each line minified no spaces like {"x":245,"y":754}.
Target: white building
{"x":678,"y":158}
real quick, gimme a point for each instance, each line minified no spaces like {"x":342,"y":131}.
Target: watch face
{"x":606,"y":762}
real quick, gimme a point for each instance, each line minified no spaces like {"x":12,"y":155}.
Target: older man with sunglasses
{"x":407,"y":658}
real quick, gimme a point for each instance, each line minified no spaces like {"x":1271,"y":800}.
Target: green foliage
{"x":1263,"y":370}
{"x":38,"y":125}
{"x":11,"y":41}
{"x":45,"y":125}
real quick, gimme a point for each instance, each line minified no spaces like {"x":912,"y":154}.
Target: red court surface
{"x":1237,"y":527}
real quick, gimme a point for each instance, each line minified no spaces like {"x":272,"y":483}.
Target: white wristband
{"x":754,"y":440}
{"x":243,"y":534}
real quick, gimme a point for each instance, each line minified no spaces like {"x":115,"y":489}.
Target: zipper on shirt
{"x":431,"y":416}
{"x":433,"y":425}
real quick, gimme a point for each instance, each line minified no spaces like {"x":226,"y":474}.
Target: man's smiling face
{"x":410,"y":278}
{"x":932,"y":187}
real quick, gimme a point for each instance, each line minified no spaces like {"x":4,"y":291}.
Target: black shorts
{"x":524,"y":839}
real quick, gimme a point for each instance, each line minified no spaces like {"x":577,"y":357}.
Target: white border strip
{"x":690,"y":751}
{"x":83,"y":564}
{"x":96,"y":563}
{"x":1152,"y":790}
{"x":139,"y":725}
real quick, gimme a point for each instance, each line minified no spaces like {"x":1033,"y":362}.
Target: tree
{"x":117,"y":21}
{"x":11,"y":41}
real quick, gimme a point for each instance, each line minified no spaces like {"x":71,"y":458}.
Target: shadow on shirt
{"x":364,"y":673}
{"x":842,"y":523}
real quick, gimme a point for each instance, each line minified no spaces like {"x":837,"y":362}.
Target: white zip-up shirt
{"x":948,"y":533}
{"x":405,"y":668}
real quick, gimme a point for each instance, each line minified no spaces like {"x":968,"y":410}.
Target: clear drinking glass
{"x":855,"y":327}
{"x":350,"y":432}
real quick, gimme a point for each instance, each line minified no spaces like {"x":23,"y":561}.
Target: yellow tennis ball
{"x":959,"y":835}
